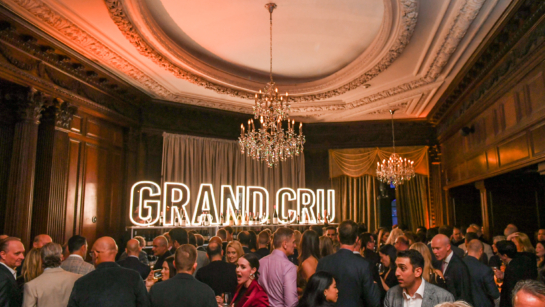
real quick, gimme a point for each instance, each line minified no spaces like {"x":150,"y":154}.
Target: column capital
{"x":64,"y":115}
{"x":29,"y":105}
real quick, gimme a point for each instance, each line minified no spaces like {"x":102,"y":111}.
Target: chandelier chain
{"x":393,"y":131}
{"x":270,"y":41}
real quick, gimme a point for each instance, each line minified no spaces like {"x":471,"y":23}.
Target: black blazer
{"x":10,"y":294}
{"x":458,"y":280}
{"x":354,"y":279}
{"x":134,"y":263}
{"x":182,"y":290}
{"x":161,"y":259}
{"x":109,"y":286}
{"x":262,"y":252}
{"x":520,"y":268}
{"x":484,"y":288}
{"x":220,"y":276}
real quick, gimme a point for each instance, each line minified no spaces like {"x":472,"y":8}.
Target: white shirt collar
{"x":75,"y":255}
{"x":13,"y":272}
{"x":447,"y":260}
{"x":418,"y":294}
{"x":133,"y":256}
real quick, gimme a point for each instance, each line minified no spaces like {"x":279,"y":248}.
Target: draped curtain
{"x":356,"y":199}
{"x":353,"y":175}
{"x":195,"y":160}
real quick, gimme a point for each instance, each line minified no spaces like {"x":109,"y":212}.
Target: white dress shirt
{"x":11,"y":270}
{"x":416,"y":299}
{"x":446,"y":261}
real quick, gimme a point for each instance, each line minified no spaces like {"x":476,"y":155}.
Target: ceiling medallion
{"x":270,"y":143}
{"x":396,"y":170}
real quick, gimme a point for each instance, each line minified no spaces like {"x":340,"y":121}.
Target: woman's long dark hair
{"x":390,"y":251}
{"x":541,"y":264}
{"x":171,"y":269}
{"x":253,"y":240}
{"x":254,"y":263}
{"x":309,"y":246}
{"x":314,"y":291}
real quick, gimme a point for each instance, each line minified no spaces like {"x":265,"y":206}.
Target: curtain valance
{"x":363,"y":161}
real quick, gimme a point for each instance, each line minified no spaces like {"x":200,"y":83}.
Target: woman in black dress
{"x":388,"y":257}
{"x":321,"y":291}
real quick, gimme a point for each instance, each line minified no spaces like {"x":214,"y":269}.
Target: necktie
{"x":443,"y":266}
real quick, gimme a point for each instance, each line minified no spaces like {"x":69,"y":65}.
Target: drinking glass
{"x":226,"y":298}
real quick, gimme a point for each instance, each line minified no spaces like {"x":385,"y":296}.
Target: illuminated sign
{"x":149,"y":204}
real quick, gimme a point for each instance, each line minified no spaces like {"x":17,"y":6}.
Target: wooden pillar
{"x":23,"y":162}
{"x":49,"y":209}
{"x":485,"y":212}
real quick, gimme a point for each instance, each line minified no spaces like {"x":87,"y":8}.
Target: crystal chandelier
{"x":269,"y":142}
{"x":396,"y":169}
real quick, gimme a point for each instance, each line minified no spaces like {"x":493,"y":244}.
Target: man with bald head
{"x":454,"y":269}
{"x":160,"y":250}
{"x":484,"y":288}
{"x":221,"y":276}
{"x":12,"y":253}
{"x":132,"y":262}
{"x":41,"y":240}
{"x":110,"y":285}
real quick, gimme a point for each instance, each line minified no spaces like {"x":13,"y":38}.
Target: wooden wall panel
{"x":6,"y":148}
{"x":510,"y":132}
{"x":72,"y":201}
{"x":513,"y":150}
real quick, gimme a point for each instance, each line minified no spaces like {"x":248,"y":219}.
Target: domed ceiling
{"x":343,"y":60}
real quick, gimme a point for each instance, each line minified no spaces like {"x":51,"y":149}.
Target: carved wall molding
{"x":404,"y":15}
{"x":458,"y":28}
{"x":512,"y":46}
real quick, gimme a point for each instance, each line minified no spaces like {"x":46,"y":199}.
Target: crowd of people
{"x":342,"y":265}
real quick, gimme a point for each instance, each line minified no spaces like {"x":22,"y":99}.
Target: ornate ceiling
{"x":346,"y":60}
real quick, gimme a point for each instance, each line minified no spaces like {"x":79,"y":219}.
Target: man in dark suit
{"x":132,"y":262}
{"x":109,"y":285}
{"x":244,"y":239}
{"x":12,"y":253}
{"x":160,"y":250}
{"x":219,"y":275}
{"x":352,"y":272}
{"x":183,"y":287}
{"x":484,"y":288}
{"x":454,"y":269}
{"x":519,"y":267}
{"x":263,"y":240}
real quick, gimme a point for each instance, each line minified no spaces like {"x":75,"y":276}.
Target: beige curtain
{"x":356,"y":199}
{"x":412,"y":202}
{"x":195,"y":160}
{"x":363,"y":161}
{"x":353,"y":175}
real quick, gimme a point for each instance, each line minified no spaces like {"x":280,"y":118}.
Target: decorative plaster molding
{"x":76,"y":35}
{"x":409,"y":16}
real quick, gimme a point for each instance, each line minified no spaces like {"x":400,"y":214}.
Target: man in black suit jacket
{"x":352,"y":272}
{"x":244,"y":239}
{"x":12,"y":253}
{"x":263,"y":240}
{"x":219,"y":275}
{"x":519,"y":267}
{"x":109,"y":285}
{"x":132,"y":262}
{"x":160,"y":250}
{"x":484,"y":288}
{"x":183,"y":287}
{"x":454,"y":269}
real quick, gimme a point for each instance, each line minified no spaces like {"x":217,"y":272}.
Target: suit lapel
{"x":429,"y":292}
{"x":7,"y":271}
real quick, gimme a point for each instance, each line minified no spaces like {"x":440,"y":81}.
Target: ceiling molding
{"x":407,"y":12}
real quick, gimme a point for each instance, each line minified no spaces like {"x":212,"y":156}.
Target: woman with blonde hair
{"x":522,"y":241}
{"x":524,"y":246}
{"x":394,"y":234}
{"x":429,"y":274}
{"x":233,"y":251}
{"x":326,"y":246}
{"x":32,"y":267}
